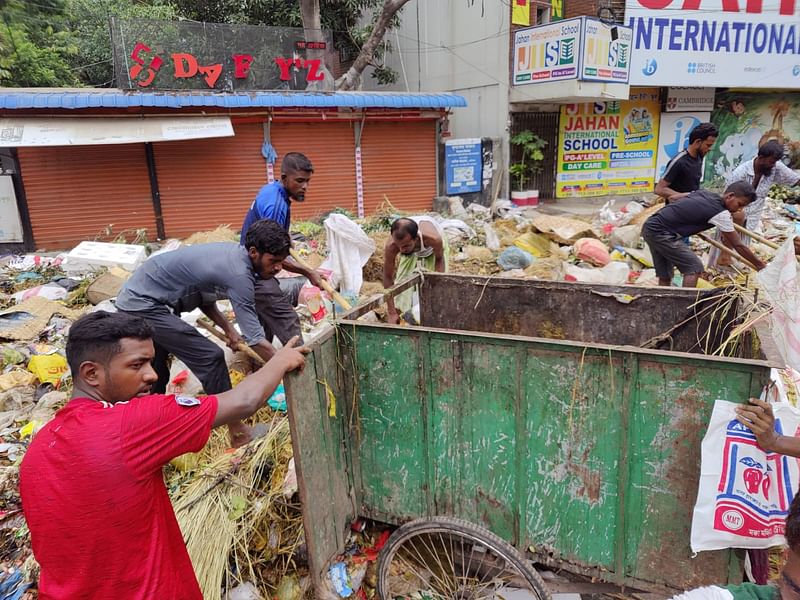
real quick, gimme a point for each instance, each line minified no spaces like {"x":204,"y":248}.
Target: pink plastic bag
{"x":593,"y":251}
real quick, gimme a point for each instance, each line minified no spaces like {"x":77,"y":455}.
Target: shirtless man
{"x":422,"y":246}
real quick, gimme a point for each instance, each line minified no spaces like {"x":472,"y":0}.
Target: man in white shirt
{"x":764,"y":171}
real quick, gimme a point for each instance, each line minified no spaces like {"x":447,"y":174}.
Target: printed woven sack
{"x":744,"y":492}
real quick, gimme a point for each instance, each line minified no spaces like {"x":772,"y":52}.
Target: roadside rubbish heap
{"x":238,"y":509}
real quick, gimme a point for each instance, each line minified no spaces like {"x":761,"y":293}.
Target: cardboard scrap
{"x":27,"y":320}
{"x":561,"y":229}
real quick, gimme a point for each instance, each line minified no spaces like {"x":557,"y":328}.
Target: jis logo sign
{"x":618,"y":55}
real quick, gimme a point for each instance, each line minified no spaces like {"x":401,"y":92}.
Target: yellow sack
{"x":48,"y":368}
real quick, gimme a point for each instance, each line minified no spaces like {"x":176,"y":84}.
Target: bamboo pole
{"x":325,"y":285}
{"x":723,"y":248}
{"x":218,"y":334}
{"x":756,"y":237}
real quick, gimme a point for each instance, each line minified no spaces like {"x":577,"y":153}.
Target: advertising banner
{"x":579,"y":48}
{"x":673,"y":136}
{"x":746,"y":121}
{"x":463,"y":165}
{"x":608,"y":147}
{"x":715,"y":43}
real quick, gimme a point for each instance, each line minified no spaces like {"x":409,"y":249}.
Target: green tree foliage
{"x":89,"y":23}
{"x":345,"y":18}
{"x":35,"y":44}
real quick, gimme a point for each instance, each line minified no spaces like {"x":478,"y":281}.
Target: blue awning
{"x":16,"y":99}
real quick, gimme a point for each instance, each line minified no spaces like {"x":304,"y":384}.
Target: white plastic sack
{"x":780,"y":282}
{"x":455,"y":229}
{"x":492,"y":241}
{"x":349,"y":250}
{"x":744,"y":493}
{"x":614,"y":273}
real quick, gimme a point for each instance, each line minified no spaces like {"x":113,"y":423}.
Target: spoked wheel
{"x":443,"y":558}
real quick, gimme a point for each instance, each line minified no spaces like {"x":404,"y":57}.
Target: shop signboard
{"x":715,"y":43}
{"x":688,"y":99}
{"x":184,"y":55}
{"x":673,"y":136}
{"x":463,"y":165}
{"x":608,"y":147}
{"x":580,"y":48}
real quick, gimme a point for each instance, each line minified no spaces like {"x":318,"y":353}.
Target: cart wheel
{"x":440,"y":557}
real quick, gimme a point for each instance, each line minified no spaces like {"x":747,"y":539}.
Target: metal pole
{"x":156,"y":195}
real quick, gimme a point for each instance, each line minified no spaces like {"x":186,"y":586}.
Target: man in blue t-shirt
{"x":274,"y":202}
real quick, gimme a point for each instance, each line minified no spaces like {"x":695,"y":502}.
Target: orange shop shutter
{"x":75,"y":192}
{"x":399,"y":161}
{"x":330,"y":146}
{"x":209,"y":182}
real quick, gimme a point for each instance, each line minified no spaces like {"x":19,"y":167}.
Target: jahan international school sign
{"x":715,"y":43}
{"x":166,"y":55}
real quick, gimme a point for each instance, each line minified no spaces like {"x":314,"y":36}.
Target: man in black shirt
{"x":696,"y":212}
{"x":684,"y":172}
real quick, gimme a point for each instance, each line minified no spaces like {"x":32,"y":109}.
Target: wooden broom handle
{"x":325,"y":285}
{"x":218,"y":334}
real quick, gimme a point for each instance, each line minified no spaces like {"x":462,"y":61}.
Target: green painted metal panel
{"x":389,"y":438}
{"x":319,"y":452}
{"x":474,"y":415}
{"x":574,"y":399}
{"x":589,"y":454}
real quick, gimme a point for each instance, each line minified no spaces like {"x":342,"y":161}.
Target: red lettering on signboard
{"x":211,"y":73}
{"x":185,"y":65}
{"x":313,"y":66}
{"x":137,"y":69}
{"x":284,"y":64}
{"x":241,"y":65}
{"x":787,"y":7}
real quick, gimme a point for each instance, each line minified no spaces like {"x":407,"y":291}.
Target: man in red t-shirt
{"x":93,"y":493}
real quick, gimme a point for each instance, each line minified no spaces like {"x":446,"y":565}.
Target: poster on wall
{"x":608,"y":147}
{"x":463,"y":165}
{"x":715,"y":43}
{"x":673,"y":136}
{"x":746,"y":121}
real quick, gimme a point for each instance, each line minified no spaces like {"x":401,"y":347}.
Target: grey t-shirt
{"x":190,"y":277}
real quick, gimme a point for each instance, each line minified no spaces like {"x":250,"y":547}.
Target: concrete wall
{"x":448,"y":46}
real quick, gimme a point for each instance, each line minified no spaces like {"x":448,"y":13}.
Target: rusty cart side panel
{"x":590,"y":454}
{"x":317,"y":420}
{"x":580,"y":312}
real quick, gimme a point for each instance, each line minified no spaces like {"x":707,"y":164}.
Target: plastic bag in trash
{"x":492,"y":241}
{"x":278,"y":399}
{"x":614,"y":273}
{"x":350,"y":249}
{"x":514,"y":258}
{"x":593,"y":251}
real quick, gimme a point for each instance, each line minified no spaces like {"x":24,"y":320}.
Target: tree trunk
{"x":312,"y":32}
{"x":350,"y":80}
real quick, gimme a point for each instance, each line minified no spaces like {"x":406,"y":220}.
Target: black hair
{"x":96,"y":337}
{"x":405,"y":227}
{"x":295,"y":161}
{"x":772,"y":149}
{"x":268,"y":237}
{"x":742,"y":189}
{"x":703,"y":131}
{"x":793,"y":525}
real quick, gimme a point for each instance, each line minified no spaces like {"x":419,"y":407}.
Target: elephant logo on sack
{"x":755,"y":488}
